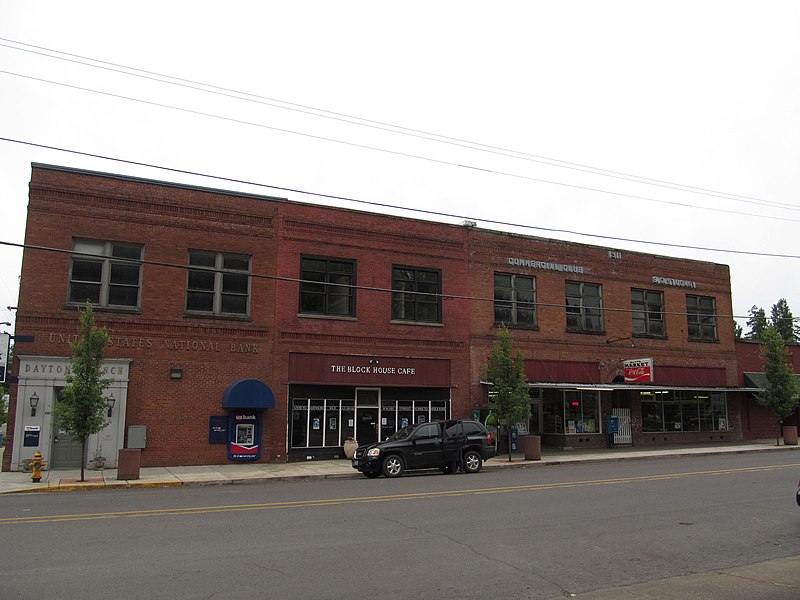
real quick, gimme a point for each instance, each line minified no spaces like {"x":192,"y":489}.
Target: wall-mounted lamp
{"x":111,"y":402}
{"x":6,"y":323}
{"x":34,"y":400}
{"x":175,"y":373}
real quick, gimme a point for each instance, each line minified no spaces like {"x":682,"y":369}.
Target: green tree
{"x":783,"y":321}
{"x":780,"y":390}
{"x":82,"y":410}
{"x":508,"y":397}
{"x":737,"y":330}
{"x":756,"y":323}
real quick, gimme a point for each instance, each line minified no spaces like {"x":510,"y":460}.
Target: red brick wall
{"x":489,"y":252}
{"x":758,"y":422}
{"x":169,"y":221}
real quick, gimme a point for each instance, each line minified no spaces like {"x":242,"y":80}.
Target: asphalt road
{"x":545,"y":532}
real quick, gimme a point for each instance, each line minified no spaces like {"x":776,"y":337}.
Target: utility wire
{"x":297,"y":280}
{"x":394,"y":206}
{"x":395,"y":152}
{"x":362,"y":122}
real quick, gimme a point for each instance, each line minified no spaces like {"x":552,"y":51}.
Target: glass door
{"x":367,"y":409}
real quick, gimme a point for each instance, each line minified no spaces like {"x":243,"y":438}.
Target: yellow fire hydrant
{"x":37,"y":465}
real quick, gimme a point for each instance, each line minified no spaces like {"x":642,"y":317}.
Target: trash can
{"x":129,"y":463}
{"x":532,"y":447}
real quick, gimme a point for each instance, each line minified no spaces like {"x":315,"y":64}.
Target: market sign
{"x":639,"y":370}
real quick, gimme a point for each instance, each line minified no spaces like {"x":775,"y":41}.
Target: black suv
{"x":427,"y":446}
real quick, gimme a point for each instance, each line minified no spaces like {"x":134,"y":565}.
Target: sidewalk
{"x":240,"y":473}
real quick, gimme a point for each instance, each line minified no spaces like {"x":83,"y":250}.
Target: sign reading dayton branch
{"x":638,"y":370}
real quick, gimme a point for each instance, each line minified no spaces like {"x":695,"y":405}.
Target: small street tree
{"x":82,"y":409}
{"x":508,"y":397}
{"x":780,"y":390}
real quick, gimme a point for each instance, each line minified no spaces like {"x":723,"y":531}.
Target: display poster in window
{"x":403,"y":422}
{"x":315,"y":423}
{"x":332,"y":423}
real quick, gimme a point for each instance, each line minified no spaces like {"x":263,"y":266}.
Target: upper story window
{"x":218,"y":283}
{"x":584,"y":307}
{"x":701,"y":313}
{"x":327,"y":286}
{"x":416,"y":294}
{"x":647,"y":308}
{"x":514,"y":300}
{"x":110,"y":276}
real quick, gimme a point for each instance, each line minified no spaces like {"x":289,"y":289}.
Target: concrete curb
{"x":493,"y":464}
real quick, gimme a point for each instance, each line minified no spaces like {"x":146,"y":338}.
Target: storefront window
{"x":332,"y":423}
{"x":299,"y":423}
{"x":684,"y":410}
{"x":570,"y":411}
{"x":327,"y":422}
{"x":316,"y":415}
{"x":405,"y":413}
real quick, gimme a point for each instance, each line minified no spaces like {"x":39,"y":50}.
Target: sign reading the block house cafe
{"x":638,"y":370}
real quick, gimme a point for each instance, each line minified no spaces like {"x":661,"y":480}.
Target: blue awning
{"x":248,"y":394}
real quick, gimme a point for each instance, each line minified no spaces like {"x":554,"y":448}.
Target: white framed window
{"x":107,"y":274}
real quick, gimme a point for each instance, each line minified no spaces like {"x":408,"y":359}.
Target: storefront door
{"x":66,"y":451}
{"x":367,"y":424}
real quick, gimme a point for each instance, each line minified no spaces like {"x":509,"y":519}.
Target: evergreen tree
{"x":82,"y":409}
{"x":784,"y":322}
{"x":737,"y":330}
{"x":781,"y":389}
{"x":756,"y":323}
{"x":509,"y":398}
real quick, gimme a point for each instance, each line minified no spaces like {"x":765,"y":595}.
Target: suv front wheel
{"x":392,"y":466}
{"x":472,"y":461}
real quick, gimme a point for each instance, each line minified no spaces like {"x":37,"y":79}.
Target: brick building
{"x":254,"y":328}
{"x":758,"y":422}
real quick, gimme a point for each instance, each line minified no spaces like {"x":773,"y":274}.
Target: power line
{"x":278,"y":278}
{"x":394,"y":206}
{"x":383,"y":126}
{"x":395,"y":152}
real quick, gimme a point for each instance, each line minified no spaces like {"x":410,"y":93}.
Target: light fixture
{"x":175,"y":373}
{"x":111,"y":402}
{"x":34,"y":400}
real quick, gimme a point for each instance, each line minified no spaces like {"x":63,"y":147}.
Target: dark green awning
{"x":759,"y":380}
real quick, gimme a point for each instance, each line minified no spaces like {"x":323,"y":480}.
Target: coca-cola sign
{"x":639,"y":370}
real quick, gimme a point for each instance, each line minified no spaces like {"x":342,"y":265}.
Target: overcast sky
{"x":668,"y":127}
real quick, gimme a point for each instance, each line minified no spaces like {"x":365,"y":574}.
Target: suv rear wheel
{"x":472,"y":461}
{"x":393,"y":466}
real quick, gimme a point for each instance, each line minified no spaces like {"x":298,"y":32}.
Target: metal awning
{"x":631,"y":387}
{"x":756,"y":382}
{"x":249,"y":394}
